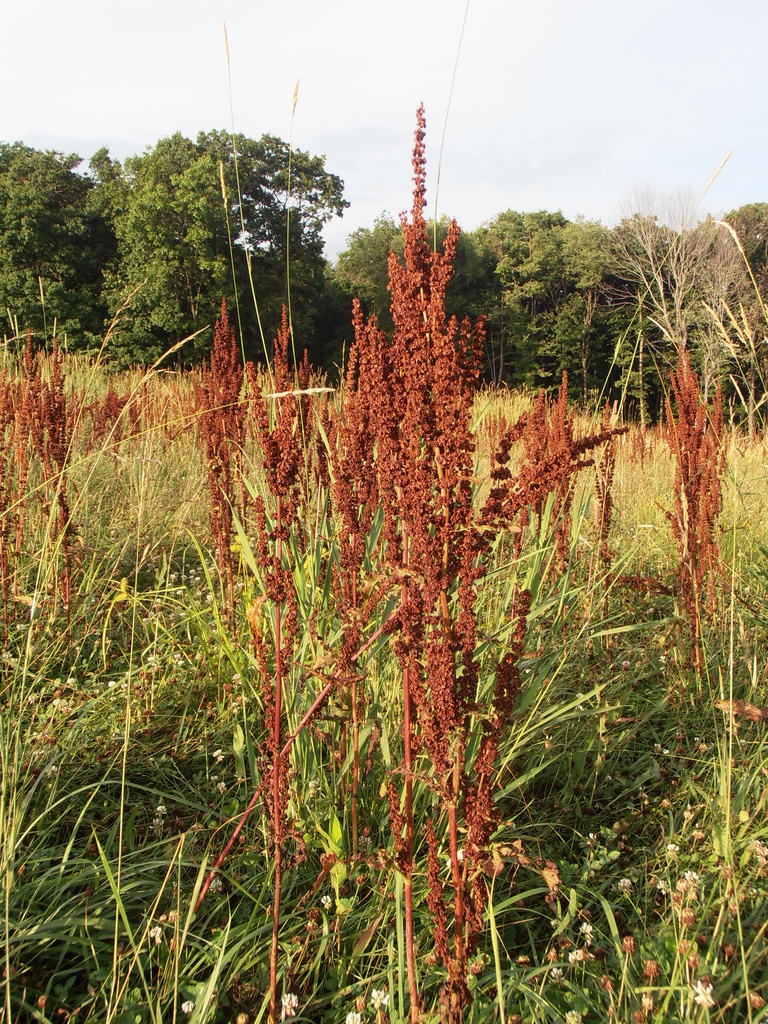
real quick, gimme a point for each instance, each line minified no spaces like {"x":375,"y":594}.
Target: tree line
{"x":151,"y":246}
{"x":608,"y":307}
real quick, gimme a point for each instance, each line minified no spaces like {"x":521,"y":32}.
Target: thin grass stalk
{"x":316,"y":706}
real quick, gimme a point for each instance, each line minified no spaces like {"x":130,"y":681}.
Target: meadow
{"x":408,"y":700}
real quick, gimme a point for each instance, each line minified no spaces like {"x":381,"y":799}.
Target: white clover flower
{"x":222,"y":787}
{"x":691,"y":876}
{"x":156,"y":934}
{"x":662,"y":886}
{"x":459,"y":858}
{"x":625,"y":885}
{"x":326,"y":902}
{"x":187,"y":1006}
{"x":218,"y":754}
{"x":573,"y":1017}
{"x":161,"y":809}
{"x":703,"y":994}
{"x":353,"y":1017}
{"x":216,"y":884}
{"x":290,"y":1004}
{"x":557,"y":973}
{"x":673,"y":849}
{"x":314,"y":787}
{"x":379,"y":999}
{"x":586,"y":930}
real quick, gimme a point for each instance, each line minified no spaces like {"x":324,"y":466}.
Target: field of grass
{"x":624,"y":876}
{"x":407,"y":701}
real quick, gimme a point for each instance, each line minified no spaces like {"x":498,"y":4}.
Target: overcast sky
{"x":557,"y":104}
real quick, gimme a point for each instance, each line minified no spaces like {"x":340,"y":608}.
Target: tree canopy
{"x":163,"y":238}
{"x":157,"y":242}
{"x":194,"y":224}
{"x":54,"y":244}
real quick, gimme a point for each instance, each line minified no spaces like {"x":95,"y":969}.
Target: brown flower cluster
{"x":407,"y":437}
{"x":37,"y":429}
{"x":279,"y":422}
{"x":695,"y":437}
{"x":221,"y":424}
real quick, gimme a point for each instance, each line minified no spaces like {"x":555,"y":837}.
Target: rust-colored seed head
{"x":651,"y":970}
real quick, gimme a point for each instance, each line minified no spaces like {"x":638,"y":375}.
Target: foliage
{"x":54,"y":247}
{"x":187,"y":215}
{"x":696,"y":440}
{"x":130,"y":743}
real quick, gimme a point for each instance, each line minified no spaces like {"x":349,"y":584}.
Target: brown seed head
{"x":651,"y":970}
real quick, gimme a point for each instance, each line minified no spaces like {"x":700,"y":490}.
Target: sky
{"x":572,"y":105}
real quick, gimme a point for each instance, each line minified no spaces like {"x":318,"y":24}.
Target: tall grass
{"x":488,"y":776}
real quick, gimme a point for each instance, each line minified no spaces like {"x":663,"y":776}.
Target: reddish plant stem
{"x":355,"y":738}
{"x":410,"y":958}
{"x":459,"y":967}
{"x":276,"y":803}
{"x":409,"y":951}
{"x":312,"y":711}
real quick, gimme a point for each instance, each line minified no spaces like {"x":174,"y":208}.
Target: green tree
{"x":54,"y":245}
{"x":174,"y":222}
{"x":361,"y":269}
{"x":172,"y":245}
{"x":585,"y":257}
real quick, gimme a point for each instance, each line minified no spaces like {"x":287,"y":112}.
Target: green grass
{"x":131,"y":741}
